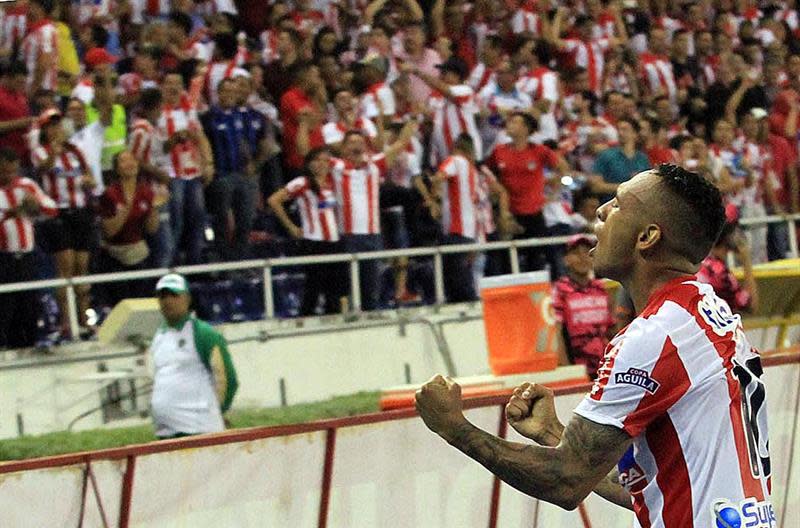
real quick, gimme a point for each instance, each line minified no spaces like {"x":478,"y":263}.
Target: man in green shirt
{"x":194,"y":380}
{"x":618,"y":164}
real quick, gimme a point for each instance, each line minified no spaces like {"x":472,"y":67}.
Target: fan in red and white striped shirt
{"x":13,"y":24}
{"x":656,"y":67}
{"x":459,"y":179}
{"x":19,"y":198}
{"x":39,"y":49}
{"x":586,"y":50}
{"x":345,"y":106}
{"x":455,"y":107}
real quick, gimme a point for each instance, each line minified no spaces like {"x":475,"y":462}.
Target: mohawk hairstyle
{"x":696,"y":213}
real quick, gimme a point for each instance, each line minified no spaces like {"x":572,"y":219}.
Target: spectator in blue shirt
{"x":619,"y":164}
{"x":237,"y":133}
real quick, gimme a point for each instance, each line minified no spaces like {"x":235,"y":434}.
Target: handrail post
{"x":72,"y":309}
{"x":792,"y":238}
{"x":269,"y":299}
{"x":513,"y":254}
{"x":438,"y":277}
{"x":355,"y":285}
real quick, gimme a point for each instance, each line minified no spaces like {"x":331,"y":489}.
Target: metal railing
{"x":267,"y":266}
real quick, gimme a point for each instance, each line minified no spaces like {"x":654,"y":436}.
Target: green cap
{"x":174,"y":283}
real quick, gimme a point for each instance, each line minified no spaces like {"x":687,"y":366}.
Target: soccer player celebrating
{"x":680,"y":383}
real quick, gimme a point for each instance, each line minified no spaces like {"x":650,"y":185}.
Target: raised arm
{"x":563,"y":475}
{"x":531,"y":412}
{"x":408,"y":131}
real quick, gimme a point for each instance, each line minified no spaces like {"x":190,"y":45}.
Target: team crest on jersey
{"x":749,"y":513}
{"x":532,"y":166}
{"x":638,"y":377}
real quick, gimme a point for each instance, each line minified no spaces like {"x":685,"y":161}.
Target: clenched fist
{"x":532,"y":413}
{"x":439,"y":405}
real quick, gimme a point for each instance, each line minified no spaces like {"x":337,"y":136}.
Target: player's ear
{"x":649,"y":237}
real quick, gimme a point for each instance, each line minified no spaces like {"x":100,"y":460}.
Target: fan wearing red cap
{"x":582,"y":306}
{"x":98,"y":61}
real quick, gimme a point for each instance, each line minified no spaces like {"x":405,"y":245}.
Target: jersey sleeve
{"x":297,"y":186}
{"x":640,"y":379}
{"x":462,"y":94}
{"x":46,"y":204}
{"x":550,"y":87}
{"x":449,"y":167}
{"x":548,"y":156}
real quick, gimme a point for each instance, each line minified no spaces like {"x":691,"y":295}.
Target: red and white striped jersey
{"x":540,"y":83}
{"x":16,"y":232}
{"x":460,"y":214}
{"x":309,"y":22}
{"x":453,"y":117}
{"x":130,"y":84}
{"x":13,"y":24}
{"x":357,"y":194}
{"x":526,"y":21}
{"x":41,"y":39}
{"x":62,"y":182}
{"x":368,"y":105}
{"x":142,"y":10}
{"x":269,"y":45}
{"x":683,"y":381}
{"x":183,"y":160}
{"x":605,"y":27}
{"x":789,"y":16}
{"x":317,"y":210}
{"x":144,"y":142}
{"x":407,"y":164}
{"x":88,"y":10}
{"x":333,"y":132}
{"x":658,"y":75}
{"x":480,"y":76}
{"x":589,"y":55}
{"x":216,"y":72}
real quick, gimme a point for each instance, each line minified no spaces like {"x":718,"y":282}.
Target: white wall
{"x":394,"y":474}
{"x":313,"y":367}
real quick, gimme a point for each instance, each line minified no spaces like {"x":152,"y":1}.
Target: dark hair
{"x":678,"y":141}
{"x":696,"y":214}
{"x":294,"y":35}
{"x":464,"y":143}
{"x":46,"y":5}
{"x":150,"y":99}
{"x":298,"y":69}
{"x":631,"y":122}
{"x":8,"y":154}
{"x":315,"y":47}
{"x":543,"y":52}
{"x":13,"y":68}
{"x":495,"y":41}
{"x":313,"y":184}
{"x":226,"y":45}
{"x":181,"y":20}
{"x":591,"y":97}
{"x":99,"y":36}
{"x":529,"y":120}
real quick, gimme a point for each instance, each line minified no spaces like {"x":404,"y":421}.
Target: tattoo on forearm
{"x":558,"y":475}
{"x":530,"y":469}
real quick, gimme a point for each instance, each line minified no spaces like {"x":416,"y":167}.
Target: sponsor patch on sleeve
{"x":638,"y":377}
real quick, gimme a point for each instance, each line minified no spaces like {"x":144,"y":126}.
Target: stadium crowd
{"x":153,"y":133}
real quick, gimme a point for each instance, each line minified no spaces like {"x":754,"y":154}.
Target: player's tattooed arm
{"x":563,"y":475}
{"x":611,"y":490}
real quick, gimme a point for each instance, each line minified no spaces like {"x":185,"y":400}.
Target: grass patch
{"x":65,"y":442}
